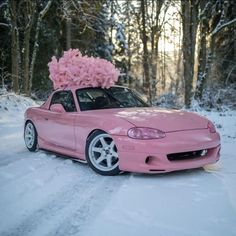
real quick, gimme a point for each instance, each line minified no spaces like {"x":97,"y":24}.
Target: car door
{"x":59,"y":127}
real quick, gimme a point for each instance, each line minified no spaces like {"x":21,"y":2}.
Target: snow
{"x":44,"y":194}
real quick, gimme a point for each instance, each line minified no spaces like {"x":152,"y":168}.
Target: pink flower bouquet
{"x":73,"y":69}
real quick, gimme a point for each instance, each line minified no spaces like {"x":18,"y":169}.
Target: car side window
{"x":65,"y":98}
{"x":90,"y":99}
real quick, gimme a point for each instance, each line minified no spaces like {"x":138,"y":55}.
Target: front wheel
{"x":101,"y":154}
{"x":31,"y":137}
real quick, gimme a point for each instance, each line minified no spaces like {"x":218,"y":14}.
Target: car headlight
{"x":211,"y":127}
{"x":145,"y":133}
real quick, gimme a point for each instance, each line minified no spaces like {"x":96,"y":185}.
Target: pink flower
{"x":73,"y":69}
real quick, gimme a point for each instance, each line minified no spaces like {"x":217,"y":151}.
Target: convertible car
{"x":114,"y":130}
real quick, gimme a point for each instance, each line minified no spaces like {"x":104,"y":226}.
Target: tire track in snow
{"x":58,"y":215}
{"x":78,"y":220}
{"x":33,"y":190}
{"x":30,"y":165}
{"x":21,"y":153}
{"x":7,"y":159}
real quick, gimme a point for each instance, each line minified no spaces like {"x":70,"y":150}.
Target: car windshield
{"x":114,"y":97}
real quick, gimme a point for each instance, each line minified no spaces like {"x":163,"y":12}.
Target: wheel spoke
{"x":112,"y":145}
{"x":96,"y":149}
{"x":100,"y":159}
{"x":30,"y":142}
{"x":108,"y":162}
{"x":103,"y":142}
{"x":29,"y":128}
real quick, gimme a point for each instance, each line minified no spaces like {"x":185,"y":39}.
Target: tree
{"x":143,"y":9}
{"x":21,"y":16}
{"x":4,"y":75}
{"x":128,"y":21}
{"x":189,"y":11}
{"x":15,"y":54}
{"x":27,"y":8}
{"x":155,"y":28}
{"x":217,"y":39}
{"x":41,"y":15}
{"x":205,"y":11}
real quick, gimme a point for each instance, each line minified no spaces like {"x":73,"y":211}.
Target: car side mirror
{"x":57,"y":108}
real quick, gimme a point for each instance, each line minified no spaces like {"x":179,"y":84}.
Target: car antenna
{"x":64,"y":87}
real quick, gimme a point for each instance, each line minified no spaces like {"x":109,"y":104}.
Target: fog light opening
{"x":203,"y":153}
{"x":147,"y":160}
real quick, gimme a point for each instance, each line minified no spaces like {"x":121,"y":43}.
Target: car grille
{"x":186,"y":155}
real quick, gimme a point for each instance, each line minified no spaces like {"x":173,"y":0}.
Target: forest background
{"x":176,"y":52}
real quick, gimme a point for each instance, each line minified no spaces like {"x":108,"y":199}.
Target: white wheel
{"x":30,"y":136}
{"x":102,"y":154}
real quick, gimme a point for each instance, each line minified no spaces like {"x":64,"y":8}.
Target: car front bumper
{"x":151,"y":156}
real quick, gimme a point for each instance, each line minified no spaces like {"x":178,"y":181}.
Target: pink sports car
{"x":114,"y":130}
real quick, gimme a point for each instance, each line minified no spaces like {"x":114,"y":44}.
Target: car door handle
{"x":45,"y":118}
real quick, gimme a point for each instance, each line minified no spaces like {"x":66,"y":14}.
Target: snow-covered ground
{"x":42,"y":194}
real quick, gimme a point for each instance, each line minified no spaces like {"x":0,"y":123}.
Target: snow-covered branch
{"x":46,"y":8}
{"x":4,"y":24}
{"x":3,"y":4}
{"x":229,"y":74}
{"x":219,"y":28}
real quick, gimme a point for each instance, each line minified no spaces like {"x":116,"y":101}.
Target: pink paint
{"x":67,"y":133}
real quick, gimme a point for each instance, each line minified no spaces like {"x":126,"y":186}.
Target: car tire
{"x":101,"y":154}
{"x":30,"y":137}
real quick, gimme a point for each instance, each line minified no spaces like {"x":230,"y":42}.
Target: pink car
{"x":115,"y":130}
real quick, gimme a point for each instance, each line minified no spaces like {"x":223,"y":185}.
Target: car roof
{"x":76,"y":87}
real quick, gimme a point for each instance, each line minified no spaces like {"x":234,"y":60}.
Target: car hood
{"x":165,"y":120}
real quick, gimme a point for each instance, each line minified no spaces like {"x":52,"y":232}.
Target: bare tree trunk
{"x":156,"y":6}
{"x":178,"y":85}
{"x":68,"y":24}
{"x":3,"y":69}
{"x":145,"y":51}
{"x":156,"y":59}
{"x":153,"y":55}
{"x":14,"y":46}
{"x":68,"y":33}
{"x":164,"y":63}
{"x":189,"y":21}
{"x":26,"y":61}
{"x":129,"y":54}
{"x":111,"y":22}
{"x":35,"y":49}
{"x":235,"y":42}
{"x":202,"y":60}
{"x":179,"y":81}
{"x":29,"y":11}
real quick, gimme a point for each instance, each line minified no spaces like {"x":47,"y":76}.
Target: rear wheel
{"x":30,"y":136}
{"x":101,"y":154}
